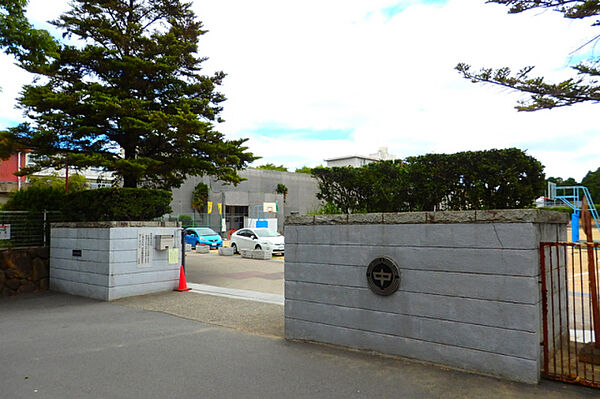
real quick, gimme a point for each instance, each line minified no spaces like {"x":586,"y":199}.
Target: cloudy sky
{"x":315,"y":79}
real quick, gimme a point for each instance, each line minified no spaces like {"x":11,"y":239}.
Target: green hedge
{"x":117,"y":204}
{"x":491,"y":179}
{"x":36,"y":199}
{"x":103,"y":204}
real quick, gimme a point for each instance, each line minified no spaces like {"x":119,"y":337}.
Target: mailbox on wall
{"x":164,"y":242}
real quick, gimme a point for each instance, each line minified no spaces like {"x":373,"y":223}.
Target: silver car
{"x":257,"y":238}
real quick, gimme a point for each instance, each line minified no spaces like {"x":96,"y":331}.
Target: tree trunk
{"x":130,"y":181}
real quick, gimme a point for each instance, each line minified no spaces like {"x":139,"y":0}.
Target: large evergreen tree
{"x":31,"y":46}
{"x":544,"y":95}
{"x":592,"y":182}
{"x":123,"y":91}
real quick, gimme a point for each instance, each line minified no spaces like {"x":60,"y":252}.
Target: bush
{"x":76,"y":182}
{"x":119,"y":203}
{"x":102,"y":204}
{"x":36,"y":199}
{"x":492,"y":179}
{"x":327,"y":209}
{"x":185,"y":220}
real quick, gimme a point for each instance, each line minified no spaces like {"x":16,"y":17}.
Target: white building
{"x":357,"y":161}
{"x":96,"y":177}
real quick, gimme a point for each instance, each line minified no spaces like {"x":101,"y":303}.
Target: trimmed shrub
{"x":36,"y":199}
{"x":491,"y":179}
{"x":185,"y":220}
{"x":116,"y":203}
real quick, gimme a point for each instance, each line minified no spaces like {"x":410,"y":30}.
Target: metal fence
{"x":570,"y":312}
{"x":24,"y":229}
{"x":214,"y":221}
{"x":195,"y":219}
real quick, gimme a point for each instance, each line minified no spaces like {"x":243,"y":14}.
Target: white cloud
{"x":392,"y":80}
{"x":343,"y":64}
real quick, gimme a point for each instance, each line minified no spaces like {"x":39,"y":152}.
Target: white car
{"x":260,"y":238}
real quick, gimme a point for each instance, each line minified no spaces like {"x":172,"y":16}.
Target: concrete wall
{"x":259,"y":187}
{"x":469,"y":293}
{"x":108,"y":267}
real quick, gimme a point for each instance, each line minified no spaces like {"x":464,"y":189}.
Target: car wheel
{"x":234,"y":247}
{"x":257,"y":247}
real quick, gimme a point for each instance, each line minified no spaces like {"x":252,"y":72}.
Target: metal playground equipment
{"x":573,"y":196}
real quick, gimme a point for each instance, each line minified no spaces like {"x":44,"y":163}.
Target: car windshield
{"x":266,"y":233}
{"x":206,"y":232}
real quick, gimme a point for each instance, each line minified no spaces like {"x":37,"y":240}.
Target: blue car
{"x":202,"y":236}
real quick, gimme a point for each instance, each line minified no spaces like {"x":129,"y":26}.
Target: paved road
{"x":235,"y":272}
{"x":60,"y":346}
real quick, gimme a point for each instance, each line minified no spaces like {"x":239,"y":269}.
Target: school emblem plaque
{"x":383,"y":276}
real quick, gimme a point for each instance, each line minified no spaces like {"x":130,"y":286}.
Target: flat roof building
{"x":357,"y":161}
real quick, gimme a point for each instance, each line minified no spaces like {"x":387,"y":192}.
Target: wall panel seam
{"x":362,"y":288}
{"x":414,"y":339}
{"x":78,"y":282}
{"x":401,"y":268}
{"x":417,"y":316}
{"x":342,"y":244}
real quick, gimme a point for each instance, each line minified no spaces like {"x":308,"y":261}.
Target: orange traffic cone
{"x":182,"y":283}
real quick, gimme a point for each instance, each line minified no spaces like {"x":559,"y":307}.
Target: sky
{"x":316,"y":79}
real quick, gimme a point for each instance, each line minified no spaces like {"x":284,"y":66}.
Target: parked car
{"x":202,"y":236}
{"x":258,"y":238}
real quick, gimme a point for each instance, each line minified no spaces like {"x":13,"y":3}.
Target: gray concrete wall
{"x":107,"y":268}
{"x":259,"y":187}
{"x":469,"y":293}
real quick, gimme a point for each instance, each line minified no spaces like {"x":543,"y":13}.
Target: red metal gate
{"x":571,"y":318}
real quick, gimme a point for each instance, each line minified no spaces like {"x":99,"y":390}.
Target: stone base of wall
{"x":23,"y":270}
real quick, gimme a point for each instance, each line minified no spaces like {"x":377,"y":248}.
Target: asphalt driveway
{"x":60,"y":346}
{"x":235,"y":272}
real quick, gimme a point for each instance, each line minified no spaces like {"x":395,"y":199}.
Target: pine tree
{"x":30,"y":46}
{"x":545,"y":95}
{"x":123,"y":91}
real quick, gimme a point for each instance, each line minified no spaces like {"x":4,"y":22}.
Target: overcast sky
{"x":315,"y":79}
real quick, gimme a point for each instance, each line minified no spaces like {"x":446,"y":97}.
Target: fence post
{"x":45,"y":229}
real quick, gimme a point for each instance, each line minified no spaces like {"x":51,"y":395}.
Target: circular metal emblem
{"x":383,"y":276}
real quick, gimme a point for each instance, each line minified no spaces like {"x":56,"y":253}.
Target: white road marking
{"x":236,"y":294}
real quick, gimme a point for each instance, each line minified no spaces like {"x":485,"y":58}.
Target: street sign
{"x":4,"y":231}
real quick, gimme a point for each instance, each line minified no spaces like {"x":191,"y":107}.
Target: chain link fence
{"x":20,"y":229}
